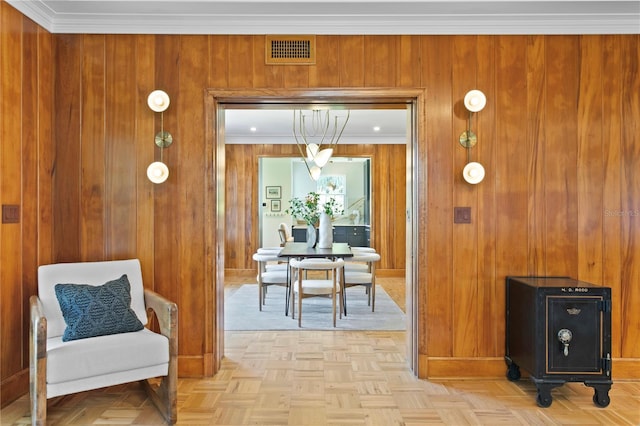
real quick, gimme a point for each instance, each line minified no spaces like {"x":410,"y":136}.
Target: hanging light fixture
{"x":317,"y":132}
{"x":473,"y":172}
{"x":159,"y":101}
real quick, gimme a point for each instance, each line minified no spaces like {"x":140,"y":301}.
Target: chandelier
{"x":317,"y":132}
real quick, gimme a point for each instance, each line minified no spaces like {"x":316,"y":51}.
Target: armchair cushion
{"x":91,"y":311}
{"x":103,"y":356}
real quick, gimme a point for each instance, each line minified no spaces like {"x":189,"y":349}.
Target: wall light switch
{"x":462,"y":215}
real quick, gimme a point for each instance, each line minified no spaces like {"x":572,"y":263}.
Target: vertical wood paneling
{"x":66,"y":177}
{"x":119,"y":153}
{"x":379,"y":71}
{"x":167,"y":218}
{"x":612,"y":182}
{"x":240,"y":61}
{"x":631,"y":202}
{"x":218,"y":60}
{"x":29,"y":153}
{"x":92,"y":184}
{"x":511,"y":161}
{"x":25,"y":148}
{"x":589,"y":161}
{"x":535,"y":119}
{"x":145,"y":149}
{"x":465,"y":236}
{"x":409,"y":63}
{"x":561,"y":155}
{"x":190,"y":206}
{"x":440,"y":138}
{"x":490,"y":289}
{"x":11,"y":325}
{"x":352,"y":61}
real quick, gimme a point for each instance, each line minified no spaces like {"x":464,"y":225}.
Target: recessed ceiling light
{"x":376,"y":128}
{"x":253,"y":128}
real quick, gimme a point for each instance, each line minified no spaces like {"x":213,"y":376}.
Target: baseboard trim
{"x":495,"y":367}
{"x":14,"y":387}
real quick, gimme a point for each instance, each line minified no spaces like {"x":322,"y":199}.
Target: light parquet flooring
{"x":335,"y":378}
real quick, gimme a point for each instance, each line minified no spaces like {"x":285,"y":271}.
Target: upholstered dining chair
{"x":284,"y":233}
{"x":362,"y":272}
{"x":88,"y":331}
{"x":303,"y":287}
{"x":270,"y":272}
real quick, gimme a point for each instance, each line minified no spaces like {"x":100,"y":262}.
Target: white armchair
{"x":61,"y":363}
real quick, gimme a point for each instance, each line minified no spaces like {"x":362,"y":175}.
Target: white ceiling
{"x":333,"y":16}
{"x":275,"y":126}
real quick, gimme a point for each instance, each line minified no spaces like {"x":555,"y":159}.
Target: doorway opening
{"x":218,"y":101}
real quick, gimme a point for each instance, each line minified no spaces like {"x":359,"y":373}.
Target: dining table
{"x":298,"y":250}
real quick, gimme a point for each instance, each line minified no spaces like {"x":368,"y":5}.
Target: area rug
{"x":241,"y":311}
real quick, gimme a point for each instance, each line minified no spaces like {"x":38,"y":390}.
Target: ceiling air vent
{"x":294,"y":49}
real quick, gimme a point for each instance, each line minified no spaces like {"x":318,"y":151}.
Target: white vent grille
{"x":290,"y":50}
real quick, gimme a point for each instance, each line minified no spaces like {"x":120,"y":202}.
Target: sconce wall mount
{"x":158,"y":101}
{"x":474,"y":101}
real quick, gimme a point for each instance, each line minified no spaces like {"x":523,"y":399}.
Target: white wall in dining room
{"x":274,"y":172}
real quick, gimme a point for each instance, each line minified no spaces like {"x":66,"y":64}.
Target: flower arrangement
{"x":309,"y":209}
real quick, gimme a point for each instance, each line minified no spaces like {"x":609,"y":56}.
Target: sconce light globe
{"x":157,"y":172}
{"x":473,"y":173}
{"x":475,"y":100}
{"x":158,"y":101}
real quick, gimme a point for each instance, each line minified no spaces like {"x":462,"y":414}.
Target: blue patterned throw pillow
{"x":91,"y":311}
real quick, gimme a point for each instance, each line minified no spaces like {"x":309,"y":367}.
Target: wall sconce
{"x":158,"y":101}
{"x":473,"y":172}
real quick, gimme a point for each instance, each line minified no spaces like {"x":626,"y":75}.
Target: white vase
{"x":325,"y":237}
{"x":311,"y":236}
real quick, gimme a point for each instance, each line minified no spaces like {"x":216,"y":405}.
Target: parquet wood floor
{"x":335,"y":378}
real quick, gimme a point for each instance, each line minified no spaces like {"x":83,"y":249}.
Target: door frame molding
{"x":215,"y":100}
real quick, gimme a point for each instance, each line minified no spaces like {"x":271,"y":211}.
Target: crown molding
{"x":333,"y":17}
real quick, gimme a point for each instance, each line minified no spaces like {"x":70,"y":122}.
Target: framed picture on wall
{"x":274,"y":192}
{"x":275,"y":205}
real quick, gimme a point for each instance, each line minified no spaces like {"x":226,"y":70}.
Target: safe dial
{"x":564,"y":336}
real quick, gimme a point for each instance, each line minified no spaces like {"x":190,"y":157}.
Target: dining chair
{"x":277,"y":274}
{"x":303,"y":287}
{"x":362,"y":277}
{"x":284,"y":233}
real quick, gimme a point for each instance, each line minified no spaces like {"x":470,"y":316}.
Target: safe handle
{"x":564,"y":336}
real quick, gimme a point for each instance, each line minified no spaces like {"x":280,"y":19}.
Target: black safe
{"x":559,"y":330}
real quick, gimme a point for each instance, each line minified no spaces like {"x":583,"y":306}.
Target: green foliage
{"x":309,"y":209}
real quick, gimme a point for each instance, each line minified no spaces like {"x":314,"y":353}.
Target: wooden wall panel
{"x":490,"y":324}
{"x":561,"y":155}
{"x":92,"y":185}
{"x":560,"y":127}
{"x":441,"y":144}
{"x":612,"y":182}
{"x":590,"y":163}
{"x":67,"y":146}
{"x":630,"y":203}
{"x":11,"y":148}
{"x":191,"y":198}
{"x":25,"y":181}
{"x":144,"y":134}
{"x":465,"y":236}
